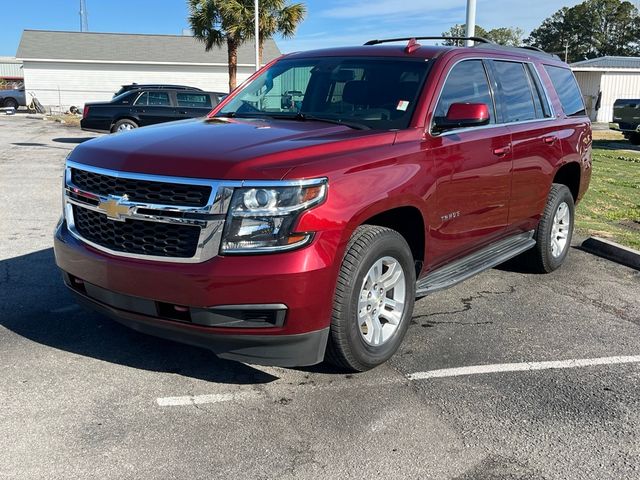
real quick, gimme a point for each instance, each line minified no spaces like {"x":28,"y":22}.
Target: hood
{"x":225,"y":149}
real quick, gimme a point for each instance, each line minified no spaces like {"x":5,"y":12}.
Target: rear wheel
{"x":374,"y":299}
{"x":634,"y":138}
{"x":11,"y":103}
{"x":554,"y":232}
{"x":124,"y":125}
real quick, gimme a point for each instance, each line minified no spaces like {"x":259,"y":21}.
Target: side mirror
{"x":462,"y":115}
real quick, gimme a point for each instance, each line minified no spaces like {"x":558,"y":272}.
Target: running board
{"x":477,"y":262}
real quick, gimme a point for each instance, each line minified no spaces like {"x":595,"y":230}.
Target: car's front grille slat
{"x":137,"y":190}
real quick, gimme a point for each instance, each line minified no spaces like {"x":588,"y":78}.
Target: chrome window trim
{"x":492,"y":125}
{"x":211,"y":219}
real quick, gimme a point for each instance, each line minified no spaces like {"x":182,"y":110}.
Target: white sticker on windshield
{"x":402,"y":105}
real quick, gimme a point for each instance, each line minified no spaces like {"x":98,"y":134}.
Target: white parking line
{"x":522,"y":367}
{"x":203,"y":399}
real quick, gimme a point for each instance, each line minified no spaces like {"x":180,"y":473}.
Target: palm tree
{"x":216,"y":22}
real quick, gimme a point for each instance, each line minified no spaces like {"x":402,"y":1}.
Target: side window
{"x":194,"y":100}
{"x":159,"y":99}
{"x":516,"y":95}
{"x":142,"y":99}
{"x":467,"y":83}
{"x":543,"y":110}
{"x":567,"y":89}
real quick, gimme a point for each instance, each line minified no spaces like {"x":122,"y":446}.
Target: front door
{"x":473,"y":167}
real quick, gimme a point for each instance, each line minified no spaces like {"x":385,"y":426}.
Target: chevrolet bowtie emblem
{"x":114,"y":207}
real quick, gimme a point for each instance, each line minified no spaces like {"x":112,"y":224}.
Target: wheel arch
{"x":569,"y":175}
{"x":405,"y":217}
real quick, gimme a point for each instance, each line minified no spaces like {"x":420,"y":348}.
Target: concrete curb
{"x":612,"y":251}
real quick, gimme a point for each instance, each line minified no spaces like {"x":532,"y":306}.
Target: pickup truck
{"x":303,"y":216}
{"x":626,"y":119}
{"x":13,"y":98}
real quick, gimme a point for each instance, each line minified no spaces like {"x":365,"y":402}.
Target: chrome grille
{"x":151,"y":217}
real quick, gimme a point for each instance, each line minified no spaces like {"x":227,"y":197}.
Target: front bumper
{"x":303,"y":281}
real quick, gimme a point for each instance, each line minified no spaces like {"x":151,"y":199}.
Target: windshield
{"x":378,"y":93}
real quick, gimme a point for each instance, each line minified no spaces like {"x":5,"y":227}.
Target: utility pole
{"x":566,"y":52}
{"x":84,"y":22}
{"x":471,"y":22}
{"x":257,"y":33}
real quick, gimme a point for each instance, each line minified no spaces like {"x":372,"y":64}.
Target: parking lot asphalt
{"x":83,"y":397}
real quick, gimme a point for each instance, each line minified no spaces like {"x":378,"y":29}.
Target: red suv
{"x":300,"y":220}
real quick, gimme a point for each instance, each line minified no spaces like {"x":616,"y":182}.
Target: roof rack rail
{"x":531,"y":47}
{"x":387,"y":40}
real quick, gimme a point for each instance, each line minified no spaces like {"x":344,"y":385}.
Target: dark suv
{"x":302,"y":218}
{"x":139,"y":107}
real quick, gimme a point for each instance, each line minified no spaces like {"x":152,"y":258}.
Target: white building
{"x":610,"y":77}
{"x":71,"y":68}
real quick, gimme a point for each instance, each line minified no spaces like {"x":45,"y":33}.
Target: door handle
{"x":182,"y":112}
{"x":550,"y":140}
{"x":502,"y":151}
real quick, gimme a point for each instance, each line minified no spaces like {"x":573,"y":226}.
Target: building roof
{"x":10,"y":67}
{"x":130,"y":48}
{"x":608,"y":63}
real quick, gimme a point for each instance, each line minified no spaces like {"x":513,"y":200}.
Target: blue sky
{"x":329,"y":22}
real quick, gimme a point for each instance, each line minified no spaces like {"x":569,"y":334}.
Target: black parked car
{"x":141,"y":107}
{"x":149,"y":86}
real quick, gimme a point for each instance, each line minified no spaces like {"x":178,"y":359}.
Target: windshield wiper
{"x":298,"y":116}
{"x":354,"y":125}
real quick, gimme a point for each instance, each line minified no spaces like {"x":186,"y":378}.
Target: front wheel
{"x":554,"y":232}
{"x":374,"y":299}
{"x":634,"y":138}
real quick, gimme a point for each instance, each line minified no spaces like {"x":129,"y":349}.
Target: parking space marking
{"x":203,"y":399}
{"x":522,"y":367}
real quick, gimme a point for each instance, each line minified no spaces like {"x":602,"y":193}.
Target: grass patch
{"x":68,"y":120}
{"x":611,"y":207}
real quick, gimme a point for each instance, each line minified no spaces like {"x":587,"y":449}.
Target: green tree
{"x":216,"y":22}
{"x":593,"y":28}
{"x":504,"y":36}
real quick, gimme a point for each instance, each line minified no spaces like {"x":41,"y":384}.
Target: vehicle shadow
{"x":35,"y":304}
{"x":72,"y":139}
{"x":616,"y":145}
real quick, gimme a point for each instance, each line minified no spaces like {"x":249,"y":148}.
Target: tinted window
{"x":567,"y":89}
{"x":196,"y":100}
{"x":467,"y":83}
{"x":378,"y":93}
{"x":517,"y":98}
{"x":158,"y":99}
{"x":539,"y":97}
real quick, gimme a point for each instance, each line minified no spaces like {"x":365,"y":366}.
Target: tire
{"x":11,"y":103}
{"x":124,"y":125}
{"x":360,"y":345}
{"x":634,"y":138}
{"x":548,"y":255}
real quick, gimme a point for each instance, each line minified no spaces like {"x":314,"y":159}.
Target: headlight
{"x":262,"y":219}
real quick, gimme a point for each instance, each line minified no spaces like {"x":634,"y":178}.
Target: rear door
{"x":154,"y":106}
{"x":193,"y":104}
{"x":535,"y":142}
{"x":473,"y":167}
